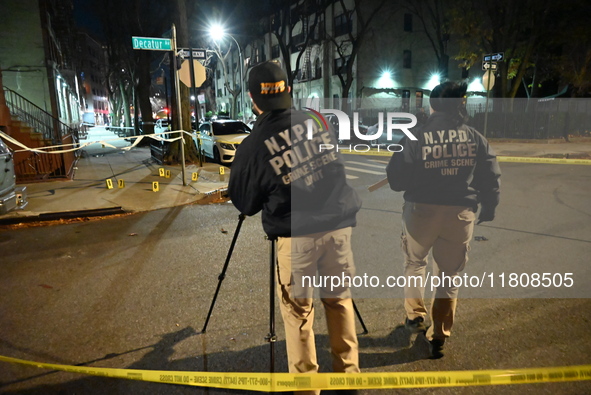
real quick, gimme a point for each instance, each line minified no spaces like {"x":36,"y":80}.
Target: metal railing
{"x":532,"y":119}
{"x":34,"y":116}
{"x":30,"y":166}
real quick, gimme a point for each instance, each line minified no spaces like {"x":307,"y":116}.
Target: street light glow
{"x":476,"y":86}
{"x":433,"y":81}
{"x":217,"y":32}
{"x":385,"y":81}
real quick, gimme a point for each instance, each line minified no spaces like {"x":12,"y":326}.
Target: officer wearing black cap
{"x":308,"y":206}
{"x":445,"y":175}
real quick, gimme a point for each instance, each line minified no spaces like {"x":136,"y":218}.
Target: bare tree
{"x":174,"y":154}
{"x":358,"y":21}
{"x":432,"y":15}
{"x":232,"y":81}
{"x":287,"y":18}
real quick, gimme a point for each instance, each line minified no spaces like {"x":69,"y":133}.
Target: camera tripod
{"x":271,"y":336}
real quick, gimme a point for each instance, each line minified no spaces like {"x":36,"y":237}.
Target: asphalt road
{"x":134,"y":291}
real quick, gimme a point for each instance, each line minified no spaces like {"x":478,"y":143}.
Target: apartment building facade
{"x":394,"y":67}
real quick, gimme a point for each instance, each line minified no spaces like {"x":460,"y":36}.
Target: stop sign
{"x":198,"y":71}
{"x":488,"y":80}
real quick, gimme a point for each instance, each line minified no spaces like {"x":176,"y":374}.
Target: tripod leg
{"x":365,"y":331}
{"x":272,"y":337}
{"x":223,"y":273}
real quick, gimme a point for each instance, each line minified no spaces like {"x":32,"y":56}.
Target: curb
{"x":63,"y":215}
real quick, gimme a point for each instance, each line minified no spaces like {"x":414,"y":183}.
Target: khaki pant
{"x":447,"y":231}
{"x":330,"y":254}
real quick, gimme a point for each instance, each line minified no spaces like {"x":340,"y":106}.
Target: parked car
{"x":219,"y":139}
{"x":11,"y":196}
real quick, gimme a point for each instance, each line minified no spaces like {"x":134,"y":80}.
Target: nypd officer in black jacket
{"x":286,"y":170}
{"x":445,"y":174}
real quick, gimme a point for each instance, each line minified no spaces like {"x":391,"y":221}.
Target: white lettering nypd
{"x":295,"y":157}
{"x":448,"y":150}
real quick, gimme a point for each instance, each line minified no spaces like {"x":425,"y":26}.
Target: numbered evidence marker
{"x":161,"y":172}
{"x":194,"y":176}
{"x":109,"y":183}
{"x":121,"y":184}
{"x":155,"y":186}
{"x":168,"y":173}
{"x":222,"y":172}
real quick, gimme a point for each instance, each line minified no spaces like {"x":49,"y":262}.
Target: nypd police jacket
{"x":448,"y":165}
{"x":298,"y":182}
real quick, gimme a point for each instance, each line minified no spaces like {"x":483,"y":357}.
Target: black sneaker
{"x":415,"y":326}
{"x":436,"y":348}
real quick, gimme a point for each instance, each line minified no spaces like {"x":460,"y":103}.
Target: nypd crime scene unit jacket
{"x":299,"y":183}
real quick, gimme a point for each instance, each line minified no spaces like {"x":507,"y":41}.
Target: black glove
{"x":486,"y":214}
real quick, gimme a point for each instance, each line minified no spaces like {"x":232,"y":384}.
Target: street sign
{"x":197,"y":53}
{"x":488,"y":81}
{"x":198,"y":71}
{"x":494,"y":57}
{"x":489,"y":65}
{"x":151,"y":43}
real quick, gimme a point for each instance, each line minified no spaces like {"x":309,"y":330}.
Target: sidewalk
{"x":87,"y":194}
{"x":579,"y":149}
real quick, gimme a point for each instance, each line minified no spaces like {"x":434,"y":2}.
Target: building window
{"x":297,"y":42}
{"x":340,"y":65}
{"x":275,"y":51}
{"x":408,"y":22}
{"x":407,"y":59}
{"x":320,"y":30}
{"x":317,"y":68}
{"x":342,"y":25}
{"x":405,"y":100}
{"x":465,"y":73}
{"x":262,"y":54}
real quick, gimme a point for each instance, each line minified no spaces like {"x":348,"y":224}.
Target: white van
{"x":11,"y":196}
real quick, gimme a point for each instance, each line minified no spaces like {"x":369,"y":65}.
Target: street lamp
{"x":217,"y":33}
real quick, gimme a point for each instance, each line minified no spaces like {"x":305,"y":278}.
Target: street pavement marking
{"x":364,"y":171}
{"x":281,"y":382}
{"x":379,"y":161}
{"x":350,"y":177}
{"x":366,"y":164}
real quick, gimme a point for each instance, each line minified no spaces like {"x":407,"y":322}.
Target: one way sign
{"x":197,"y":53}
{"x":494,"y":57}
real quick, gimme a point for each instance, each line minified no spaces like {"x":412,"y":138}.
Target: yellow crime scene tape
{"x":281,"y":382}
{"x":515,"y":159}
